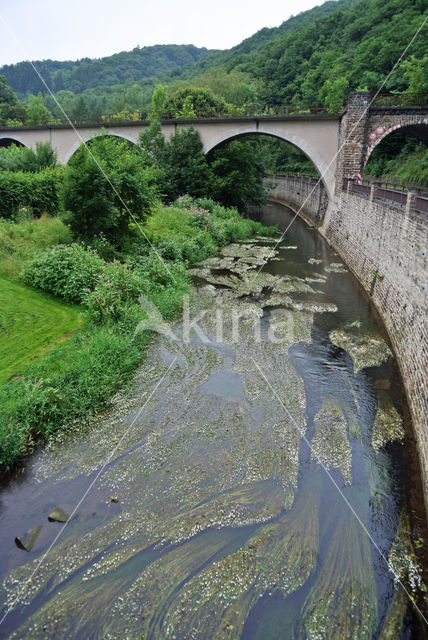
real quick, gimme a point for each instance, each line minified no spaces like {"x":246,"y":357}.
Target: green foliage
{"x":126,"y":67}
{"x":68,"y":271}
{"x":10,"y":107}
{"x":20,"y":242}
{"x":284,"y":158}
{"x":16,"y":158}
{"x":39,"y":191}
{"x":334,"y":94}
{"x":102,"y":194}
{"x":185,"y":166}
{"x":238,"y":171}
{"x":193,"y":103}
{"x":37,"y":113}
{"x":158,"y":101}
{"x":416,"y":72}
{"x":400,"y":157}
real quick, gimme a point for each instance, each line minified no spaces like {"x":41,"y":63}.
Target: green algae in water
{"x":366,"y":347}
{"x":330,"y":445}
{"x":402,"y":560}
{"x":393,"y":626}
{"x":388,"y":424}
{"x":336,"y":267}
{"x":342,"y":604}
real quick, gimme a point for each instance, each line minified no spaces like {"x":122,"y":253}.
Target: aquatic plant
{"x":365,"y":346}
{"x":388,"y":424}
{"x":342,"y":604}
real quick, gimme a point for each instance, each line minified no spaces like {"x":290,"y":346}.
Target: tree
{"x":185,"y":166}
{"x":200,"y":102}
{"x":334,"y":93}
{"x":101,"y":195}
{"x":15,"y":158}
{"x":158,"y":101}
{"x":416,"y":72}
{"x":10,"y":107}
{"x":37,"y":113}
{"x":80,"y":110}
{"x":237,"y":175}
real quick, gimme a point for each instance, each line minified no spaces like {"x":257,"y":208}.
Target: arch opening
{"x":324,"y":171}
{"x":91,"y":137}
{"x":292,"y":177}
{"x":400,"y":157}
{"x":9,"y":142}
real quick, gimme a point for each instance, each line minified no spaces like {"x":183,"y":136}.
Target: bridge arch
{"x":324,"y":170}
{"x":6,"y":141}
{"x":87,"y":137}
{"x":419,"y":129}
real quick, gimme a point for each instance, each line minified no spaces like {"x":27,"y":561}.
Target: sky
{"x":72,"y":29}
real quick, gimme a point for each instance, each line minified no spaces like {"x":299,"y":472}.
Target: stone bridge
{"x":339,"y":145}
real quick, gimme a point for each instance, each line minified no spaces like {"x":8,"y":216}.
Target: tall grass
{"x":19,"y":242}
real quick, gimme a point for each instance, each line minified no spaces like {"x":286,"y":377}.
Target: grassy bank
{"x":31,"y":324}
{"x":79,"y":376}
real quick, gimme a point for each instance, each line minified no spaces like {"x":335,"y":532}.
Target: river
{"x":260,"y":481}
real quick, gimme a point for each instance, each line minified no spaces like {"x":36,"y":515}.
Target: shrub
{"x":40,"y":191}
{"x":117,"y":285}
{"x":68,"y":271}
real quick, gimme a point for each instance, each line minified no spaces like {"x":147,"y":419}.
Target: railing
{"x":231,"y":112}
{"x":410,"y":200}
{"x":400,"y":100}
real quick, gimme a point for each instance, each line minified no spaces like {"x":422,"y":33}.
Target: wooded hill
{"x":336,"y":47}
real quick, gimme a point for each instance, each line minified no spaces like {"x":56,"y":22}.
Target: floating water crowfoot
{"x":342,"y":604}
{"x":388,"y":424}
{"x":330,"y":444}
{"x":402,"y":560}
{"x":215,"y":602}
{"x":366,"y":347}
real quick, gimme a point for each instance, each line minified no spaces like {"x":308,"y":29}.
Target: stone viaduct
{"x":383,"y":242}
{"x":339,"y":145}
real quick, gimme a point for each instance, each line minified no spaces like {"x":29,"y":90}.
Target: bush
{"x":16,"y":158}
{"x":117,"y":286}
{"x":40,"y":191}
{"x":68,"y":271}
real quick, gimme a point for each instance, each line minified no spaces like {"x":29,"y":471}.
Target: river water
{"x":259,"y":482}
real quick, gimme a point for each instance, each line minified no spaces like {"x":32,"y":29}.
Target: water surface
{"x":248,"y":489}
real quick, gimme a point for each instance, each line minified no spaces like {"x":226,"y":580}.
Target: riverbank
{"x":78,"y":377}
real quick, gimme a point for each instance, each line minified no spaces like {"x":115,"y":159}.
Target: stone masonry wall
{"x":387,"y":250}
{"x":300,"y":194}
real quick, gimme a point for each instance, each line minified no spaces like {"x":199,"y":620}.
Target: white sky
{"x":72,"y":29}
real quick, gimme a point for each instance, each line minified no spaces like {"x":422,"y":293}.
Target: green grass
{"x":19,"y":242}
{"x":31,"y":324}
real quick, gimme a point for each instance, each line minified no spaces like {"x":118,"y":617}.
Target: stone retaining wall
{"x":386,"y":248}
{"x":304,"y":195}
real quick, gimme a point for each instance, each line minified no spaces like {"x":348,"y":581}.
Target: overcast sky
{"x":72,"y":29}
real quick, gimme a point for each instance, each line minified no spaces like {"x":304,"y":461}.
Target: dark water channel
{"x":260,"y":481}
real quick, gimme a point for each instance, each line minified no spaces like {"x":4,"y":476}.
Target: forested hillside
{"x":103,"y":73}
{"x":316,"y":56}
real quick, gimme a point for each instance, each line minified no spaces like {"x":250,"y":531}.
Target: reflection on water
{"x":219,"y":514}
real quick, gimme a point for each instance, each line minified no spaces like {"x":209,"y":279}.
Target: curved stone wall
{"x":386,"y":248}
